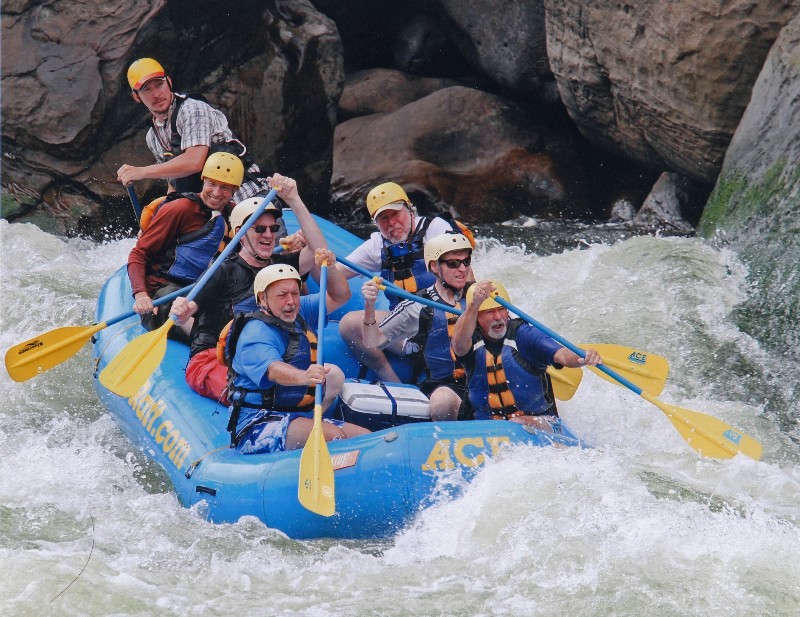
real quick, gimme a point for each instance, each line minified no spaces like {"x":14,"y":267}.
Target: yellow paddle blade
{"x":565,"y":381}
{"x":132,"y":367}
{"x":708,"y":435}
{"x":45,"y":351}
{"x":315,"y":489}
{"x":647,"y":370}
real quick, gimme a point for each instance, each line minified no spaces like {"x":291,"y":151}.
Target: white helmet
{"x":273,"y":273}
{"x":242,"y":211}
{"x":444,"y":243}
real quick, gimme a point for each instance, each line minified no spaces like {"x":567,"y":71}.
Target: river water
{"x":638,"y":525}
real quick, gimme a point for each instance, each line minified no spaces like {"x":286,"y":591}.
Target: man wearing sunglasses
{"x":230,"y":288}
{"x":185,"y":131}
{"x":425,"y":331}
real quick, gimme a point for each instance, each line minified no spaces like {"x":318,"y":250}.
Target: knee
{"x":350,"y":327}
{"x":444,"y":404}
{"x":334,"y":381}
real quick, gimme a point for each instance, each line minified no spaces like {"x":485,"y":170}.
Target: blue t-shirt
{"x":260,"y":345}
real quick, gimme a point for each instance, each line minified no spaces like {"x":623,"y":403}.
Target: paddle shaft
{"x":398,"y":291}
{"x":574,"y":348}
{"x":156,"y":302}
{"x":231,"y":245}
{"x":137,"y":207}
{"x":402,"y":293}
{"x":712,"y":430}
{"x":323,"y":311}
{"x":316,"y":485}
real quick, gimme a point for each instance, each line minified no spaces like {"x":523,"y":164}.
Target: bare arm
{"x":287,"y":190}
{"x":465,"y":326}
{"x":188,"y":162}
{"x":288,"y":375}
{"x":338,"y":288}
{"x":372,"y":335}
{"x":572,"y":360}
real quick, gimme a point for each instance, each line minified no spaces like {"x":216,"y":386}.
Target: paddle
{"x":649,"y":371}
{"x":137,"y":207}
{"x":315,"y":488}
{"x":43,"y":352}
{"x":132,"y":366}
{"x":708,"y":435}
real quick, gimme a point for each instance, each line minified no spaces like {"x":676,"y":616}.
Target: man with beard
{"x":506,"y":361}
{"x":397,"y":251}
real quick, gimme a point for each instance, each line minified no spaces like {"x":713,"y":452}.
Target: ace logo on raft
{"x":466,"y":451}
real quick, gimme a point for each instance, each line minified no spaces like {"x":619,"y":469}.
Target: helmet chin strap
{"x":248,"y":246}
{"x":456,"y":292}
{"x":266,"y":309}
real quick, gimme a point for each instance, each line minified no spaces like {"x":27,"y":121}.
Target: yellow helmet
{"x":224,"y":167}
{"x":142,"y":70}
{"x":245,"y":208}
{"x":272,"y":274}
{"x":385,"y":195}
{"x":490,"y":303}
{"x":444,"y":243}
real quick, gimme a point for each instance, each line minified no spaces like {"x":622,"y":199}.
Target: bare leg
{"x":298,"y":432}
{"x":350,"y":329}
{"x":444,"y":404}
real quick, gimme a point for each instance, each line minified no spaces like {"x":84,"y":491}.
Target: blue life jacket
{"x":189,"y":255}
{"x":529,"y":386}
{"x":301,"y":352}
{"x":432,"y":341}
{"x":403,"y":264}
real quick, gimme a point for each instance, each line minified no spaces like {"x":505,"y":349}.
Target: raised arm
{"x":287,"y":190}
{"x":465,"y":326}
{"x":338,"y":288}
{"x":373,"y":337}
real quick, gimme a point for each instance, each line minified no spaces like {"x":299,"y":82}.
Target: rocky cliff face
{"x":755,"y":206}
{"x":275,"y":68}
{"x":665,"y":83}
{"x":489,"y":109}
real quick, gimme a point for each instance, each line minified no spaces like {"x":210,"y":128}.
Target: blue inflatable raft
{"x":382,"y":480}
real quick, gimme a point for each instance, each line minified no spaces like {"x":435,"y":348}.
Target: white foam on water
{"x":636,"y":525}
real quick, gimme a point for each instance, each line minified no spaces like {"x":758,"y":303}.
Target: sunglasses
{"x":153,"y":84}
{"x":454,"y":264}
{"x":260,"y":229}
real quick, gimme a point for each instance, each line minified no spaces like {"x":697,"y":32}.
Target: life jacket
{"x":404,"y":263}
{"x":189,"y":255}
{"x":301,"y":352}
{"x":194,"y":183}
{"x":435,"y":355}
{"x":504,"y":386}
{"x":149,"y":211}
